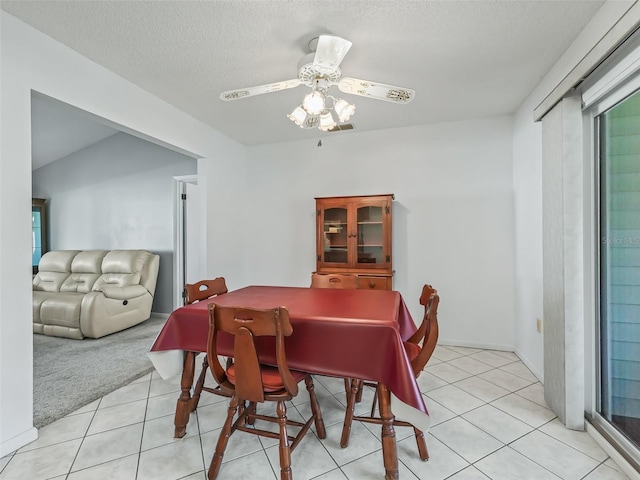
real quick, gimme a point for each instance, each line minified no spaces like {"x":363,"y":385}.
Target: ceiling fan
{"x":320,"y":70}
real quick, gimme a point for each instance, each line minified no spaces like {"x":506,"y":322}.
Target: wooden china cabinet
{"x":353,"y":235}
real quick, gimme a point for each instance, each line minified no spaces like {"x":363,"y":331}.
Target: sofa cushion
{"x":49,"y":281}
{"x":79,"y":282}
{"x":53,"y":269}
{"x":121,"y":268}
{"x":85,"y":270}
{"x":57,"y":261}
{"x":62,"y":309}
{"x":38,"y":298}
{"x":88,"y":261}
{"x":124,"y":261}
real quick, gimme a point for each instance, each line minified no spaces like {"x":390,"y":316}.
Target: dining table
{"x":341,"y":333}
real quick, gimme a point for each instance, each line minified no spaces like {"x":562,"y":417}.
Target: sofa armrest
{"x":124,"y":293}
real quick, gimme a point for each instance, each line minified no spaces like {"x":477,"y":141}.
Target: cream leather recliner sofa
{"x":93,"y":293}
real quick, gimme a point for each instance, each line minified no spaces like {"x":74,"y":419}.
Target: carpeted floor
{"x":68,"y":374}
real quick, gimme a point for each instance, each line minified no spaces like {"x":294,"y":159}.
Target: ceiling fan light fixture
{"x":320,"y":70}
{"x":313,"y":102}
{"x":344,"y":109}
{"x":298,"y":116}
{"x":326,"y":121}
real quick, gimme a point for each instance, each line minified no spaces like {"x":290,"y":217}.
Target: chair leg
{"x":199,"y":384}
{"x":285,"y":448}
{"x":251,"y":419}
{"x":315,"y":408}
{"x":348,"y":417}
{"x":242,"y":405}
{"x":225,"y":433}
{"x":347,"y":387}
{"x":422,"y":445}
{"x":374,"y":404}
{"x":359,"y":394}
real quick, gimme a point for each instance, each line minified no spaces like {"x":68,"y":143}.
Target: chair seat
{"x":271,"y":379}
{"x":412,"y":350}
{"x":250,"y":381}
{"x":418,"y":356}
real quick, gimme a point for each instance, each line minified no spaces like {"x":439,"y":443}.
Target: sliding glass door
{"x":618,"y":398}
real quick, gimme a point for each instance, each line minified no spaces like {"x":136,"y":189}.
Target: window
{"x":38,"y":231}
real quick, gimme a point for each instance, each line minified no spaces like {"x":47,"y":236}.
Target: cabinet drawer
{"x":374,"y":283}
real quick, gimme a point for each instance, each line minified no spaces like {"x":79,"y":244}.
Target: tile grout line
{"x":401,"y":461}
{"x":84,"y":436}
{"x":144,"y":423}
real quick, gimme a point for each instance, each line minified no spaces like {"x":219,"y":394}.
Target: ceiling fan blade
{"x":330,"y":52}
{"x":259,"y":90}
{"x":380,"y":91}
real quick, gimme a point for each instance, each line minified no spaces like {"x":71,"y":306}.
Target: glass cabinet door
{"x":336,"y":236}
{"x":370,"y":246}
{"x":353,"y":235}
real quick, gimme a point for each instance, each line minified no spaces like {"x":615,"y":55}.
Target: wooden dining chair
{"x":334,"y":280}
{"x":337,"y":280}
{"x":247,"y":380}
{"x":418,"y":355}
{"x":196,"y":292}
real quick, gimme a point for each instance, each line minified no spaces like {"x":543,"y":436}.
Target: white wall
{"x":527,"y":181}
{"x":31,"y":61}
{"x":116,"y":194}
{"x":453,"y":215}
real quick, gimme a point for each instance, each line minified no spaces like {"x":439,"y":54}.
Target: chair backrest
{"x":334,"y":280}
{"x":430,"y":323}
{"x":196,"y":292}
{"x":245,"y":324}
{"x":425,"y":297}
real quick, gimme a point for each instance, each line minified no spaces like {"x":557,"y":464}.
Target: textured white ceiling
{"x":465,"y":59}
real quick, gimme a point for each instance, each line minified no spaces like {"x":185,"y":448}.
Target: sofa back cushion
{"x":121,"y":268}
{"x":85,"y":270}
{"x":53,"y":269}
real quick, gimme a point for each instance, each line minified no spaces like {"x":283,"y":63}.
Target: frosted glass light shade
{"x":326,"y":121}
{"x":313,"y":102}
{"x":344,"y":110}
{"x":298,"y":116}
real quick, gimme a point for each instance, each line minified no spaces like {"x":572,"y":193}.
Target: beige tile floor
{"x":489,"y":421}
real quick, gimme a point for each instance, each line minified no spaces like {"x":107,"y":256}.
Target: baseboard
{"x":619,"y":460}
{"x":483,"y":346}
{"x":18,"y":441}
{"x":529,"y":365}
{"x":495,"y":346}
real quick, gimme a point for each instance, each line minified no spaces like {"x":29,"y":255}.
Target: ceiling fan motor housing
{"x":308,"y":73}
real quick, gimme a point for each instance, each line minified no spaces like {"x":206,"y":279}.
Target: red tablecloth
{"x":342,"y":333}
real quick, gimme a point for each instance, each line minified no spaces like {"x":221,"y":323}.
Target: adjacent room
{"x":102,"y":189}
{"x":432,"y":204}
